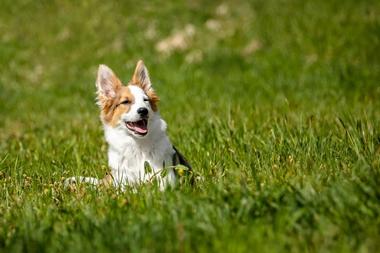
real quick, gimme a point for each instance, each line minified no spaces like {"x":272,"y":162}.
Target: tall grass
{"x":275,"y":103}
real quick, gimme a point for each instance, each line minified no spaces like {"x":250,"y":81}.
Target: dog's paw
{"x":70,"y":182}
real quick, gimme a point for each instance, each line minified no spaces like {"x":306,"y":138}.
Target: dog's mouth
{"x":139,"y":127}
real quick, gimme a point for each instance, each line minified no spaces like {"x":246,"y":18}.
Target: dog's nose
{"x":142,"y":111}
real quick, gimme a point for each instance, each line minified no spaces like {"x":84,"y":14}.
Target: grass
{"x":275,"y":103}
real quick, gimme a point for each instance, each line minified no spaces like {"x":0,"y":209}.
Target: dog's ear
{"x":141,"y":77}
{"x":107,"y":84}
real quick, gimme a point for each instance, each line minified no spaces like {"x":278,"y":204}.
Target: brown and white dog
{"x":134,"y":131}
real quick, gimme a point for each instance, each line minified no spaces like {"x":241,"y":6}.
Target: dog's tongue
{"x":139,"y":126}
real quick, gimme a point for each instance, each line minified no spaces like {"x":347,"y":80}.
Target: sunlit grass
{"x":275,"y":103}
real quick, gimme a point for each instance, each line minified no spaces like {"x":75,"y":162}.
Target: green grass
{"x":275,"y":103}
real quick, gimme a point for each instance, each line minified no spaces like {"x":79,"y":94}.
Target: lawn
{"x":275,"y":103}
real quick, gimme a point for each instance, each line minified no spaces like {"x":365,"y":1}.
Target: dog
{"x":139,"y":150}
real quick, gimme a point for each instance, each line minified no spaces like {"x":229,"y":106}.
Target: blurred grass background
{"x":275,"y":103}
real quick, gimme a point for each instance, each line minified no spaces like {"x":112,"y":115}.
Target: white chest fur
{"x":127,"y":155}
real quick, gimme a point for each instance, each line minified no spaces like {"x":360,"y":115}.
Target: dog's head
{"x":129,"y":107}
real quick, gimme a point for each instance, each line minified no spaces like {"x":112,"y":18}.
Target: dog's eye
{"x":146,"y":99}
{"x":125,"y":102}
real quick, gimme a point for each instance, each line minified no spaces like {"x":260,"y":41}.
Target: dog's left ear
{"x":141,"y":77}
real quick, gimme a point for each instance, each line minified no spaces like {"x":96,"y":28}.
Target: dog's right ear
{"x":107,"y":85}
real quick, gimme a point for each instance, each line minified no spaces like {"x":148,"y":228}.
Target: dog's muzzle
{"x":139,"y":127}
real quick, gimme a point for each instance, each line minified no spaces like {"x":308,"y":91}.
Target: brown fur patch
{"x":141,"y":79}
{"x":113,"y":109}
{"x":153,"y":99}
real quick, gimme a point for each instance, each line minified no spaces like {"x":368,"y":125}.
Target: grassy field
{"x":275,"y":103}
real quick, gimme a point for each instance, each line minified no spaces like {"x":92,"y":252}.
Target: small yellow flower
{"x":181,"y":170}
